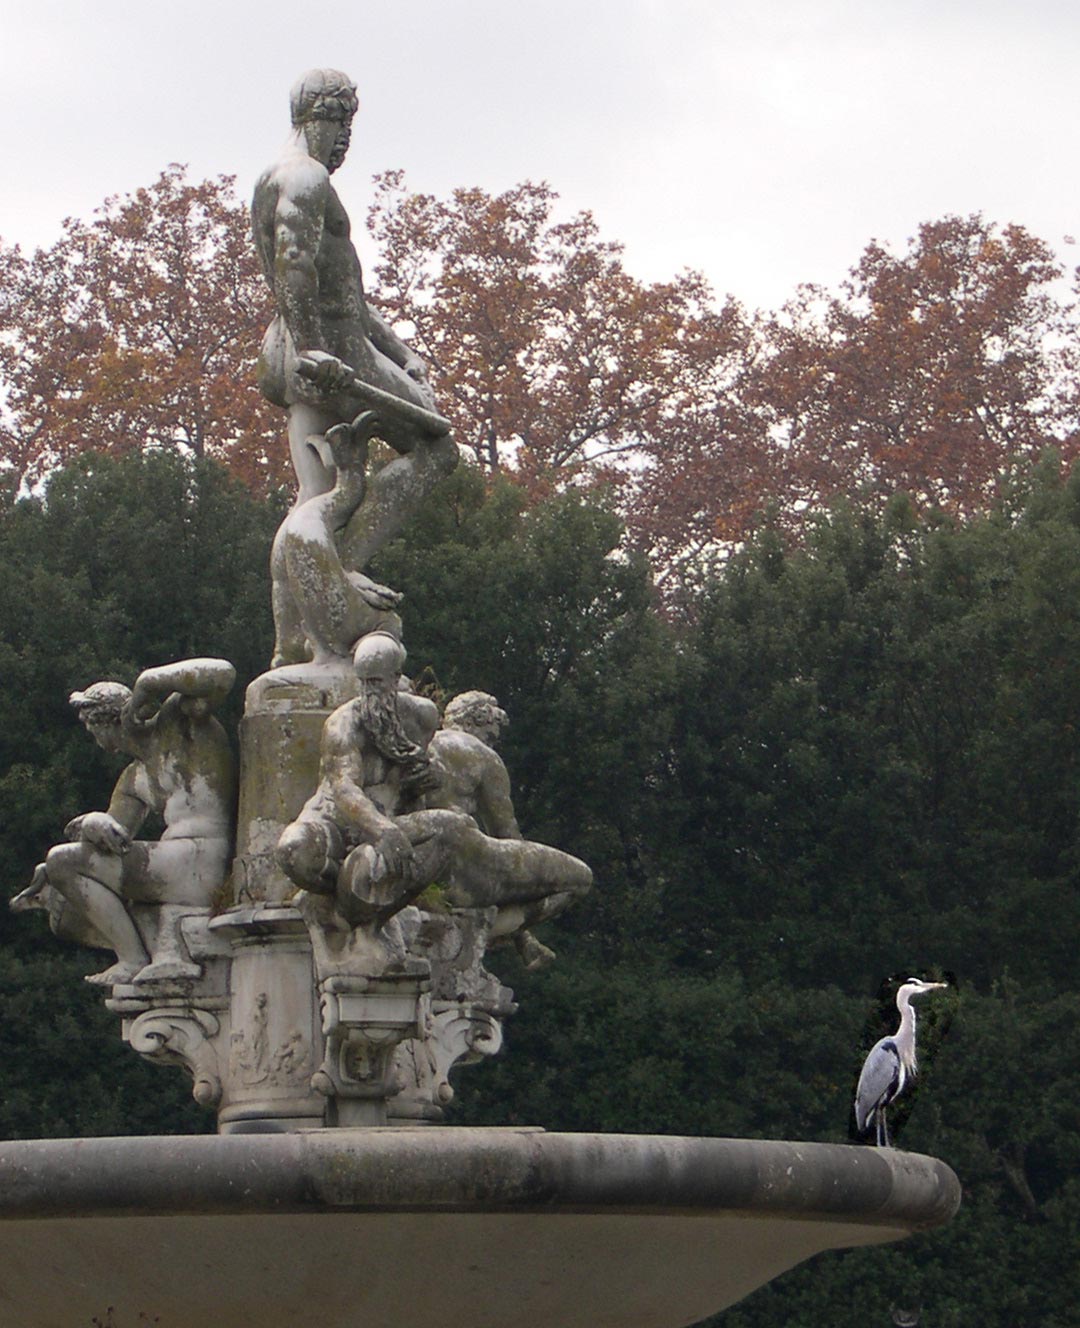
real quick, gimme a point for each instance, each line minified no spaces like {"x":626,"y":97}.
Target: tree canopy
{"x":138,"y":330}
{"x":933,"y":371}
{"x":930,"y":373}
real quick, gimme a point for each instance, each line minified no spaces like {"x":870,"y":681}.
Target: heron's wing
{"x":878,"y":1083}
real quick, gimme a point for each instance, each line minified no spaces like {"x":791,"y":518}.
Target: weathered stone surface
{"x":104,"y":887}
{"x":461,"y":1016}
{"x":343,"y":375}
{"x":271,"y":1042}
{"x":517,"y":1227}
{"x":279,"y":764}
{"x":368,"y":839}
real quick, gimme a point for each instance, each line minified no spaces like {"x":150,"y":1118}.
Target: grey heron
{"x":890,"y":1064}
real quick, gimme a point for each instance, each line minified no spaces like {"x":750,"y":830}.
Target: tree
{"x":555,"y":365}
{"x":931,"y":373}
{"x":138,"y":330}
{"x":118,"y":564}
{"x":882,"y":726}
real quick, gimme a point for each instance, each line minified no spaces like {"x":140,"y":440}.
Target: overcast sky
{"x":761,"y":141}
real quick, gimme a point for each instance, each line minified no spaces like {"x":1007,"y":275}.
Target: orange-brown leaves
{"x":139,"y":329}
{"x":554,"y":363}
{"x":931,"y":372}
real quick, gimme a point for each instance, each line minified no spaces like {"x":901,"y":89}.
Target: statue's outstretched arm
{"x":385,"y":339}
{"x":208,"y":679}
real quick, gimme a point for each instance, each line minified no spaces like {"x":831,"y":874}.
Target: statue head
{"x":323,"y":103}
{"x":478,"y":713}
{"x":378,"y":660}
{"x":101,"y":708}
{"x":379,"y":657}
{"x":323,"y":94}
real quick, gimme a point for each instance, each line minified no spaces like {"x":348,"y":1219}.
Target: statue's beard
{"x":382,"y":725}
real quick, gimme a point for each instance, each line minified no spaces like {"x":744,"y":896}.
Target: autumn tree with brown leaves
{"x":549,"y":356}
{"x":932,"y":371}
{"x":138,"y":329}
{"x":558,"y":367}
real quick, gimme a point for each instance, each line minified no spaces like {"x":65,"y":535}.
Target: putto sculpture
{"x":330,"y":971}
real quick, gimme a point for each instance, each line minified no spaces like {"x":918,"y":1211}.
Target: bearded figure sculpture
{"x":367,"y":842}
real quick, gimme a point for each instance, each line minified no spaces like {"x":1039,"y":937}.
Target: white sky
{"x":763,"y":143}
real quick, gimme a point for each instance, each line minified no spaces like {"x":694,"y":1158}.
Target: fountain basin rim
{"x":472,"y":1169}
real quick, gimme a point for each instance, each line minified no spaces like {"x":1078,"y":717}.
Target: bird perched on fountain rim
{"x":890,"y":1064}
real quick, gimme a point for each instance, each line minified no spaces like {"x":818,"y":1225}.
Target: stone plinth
{"x":502,"y":1228}
{"x":284,"y":714}
{"x":270,"y":1055}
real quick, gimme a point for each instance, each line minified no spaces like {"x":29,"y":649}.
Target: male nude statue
{"x":473,"y":779}
{"x":472,"y":776}
{"x":182,"y":768}
{"x":365,"y":835}
{"x":328,"y":355}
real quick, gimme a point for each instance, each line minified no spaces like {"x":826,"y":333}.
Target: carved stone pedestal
{"x":451,"y":1033}
{"x":461,"y":1018}
{"x":271,"y":1053}
{"x":183,"y":1021}
{"x":363,"y":1022}
{"x":276,"y":1044}
{"x":279,"y":767}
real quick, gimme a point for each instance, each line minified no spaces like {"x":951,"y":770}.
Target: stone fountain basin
{"x":445,"y":1226}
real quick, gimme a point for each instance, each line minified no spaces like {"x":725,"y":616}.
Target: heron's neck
{"x":905,"y":1036}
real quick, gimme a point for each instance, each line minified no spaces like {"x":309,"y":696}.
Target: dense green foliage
{"x":854,"y":761}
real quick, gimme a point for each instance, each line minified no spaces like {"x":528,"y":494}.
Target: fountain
{"x":307,"y":940}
